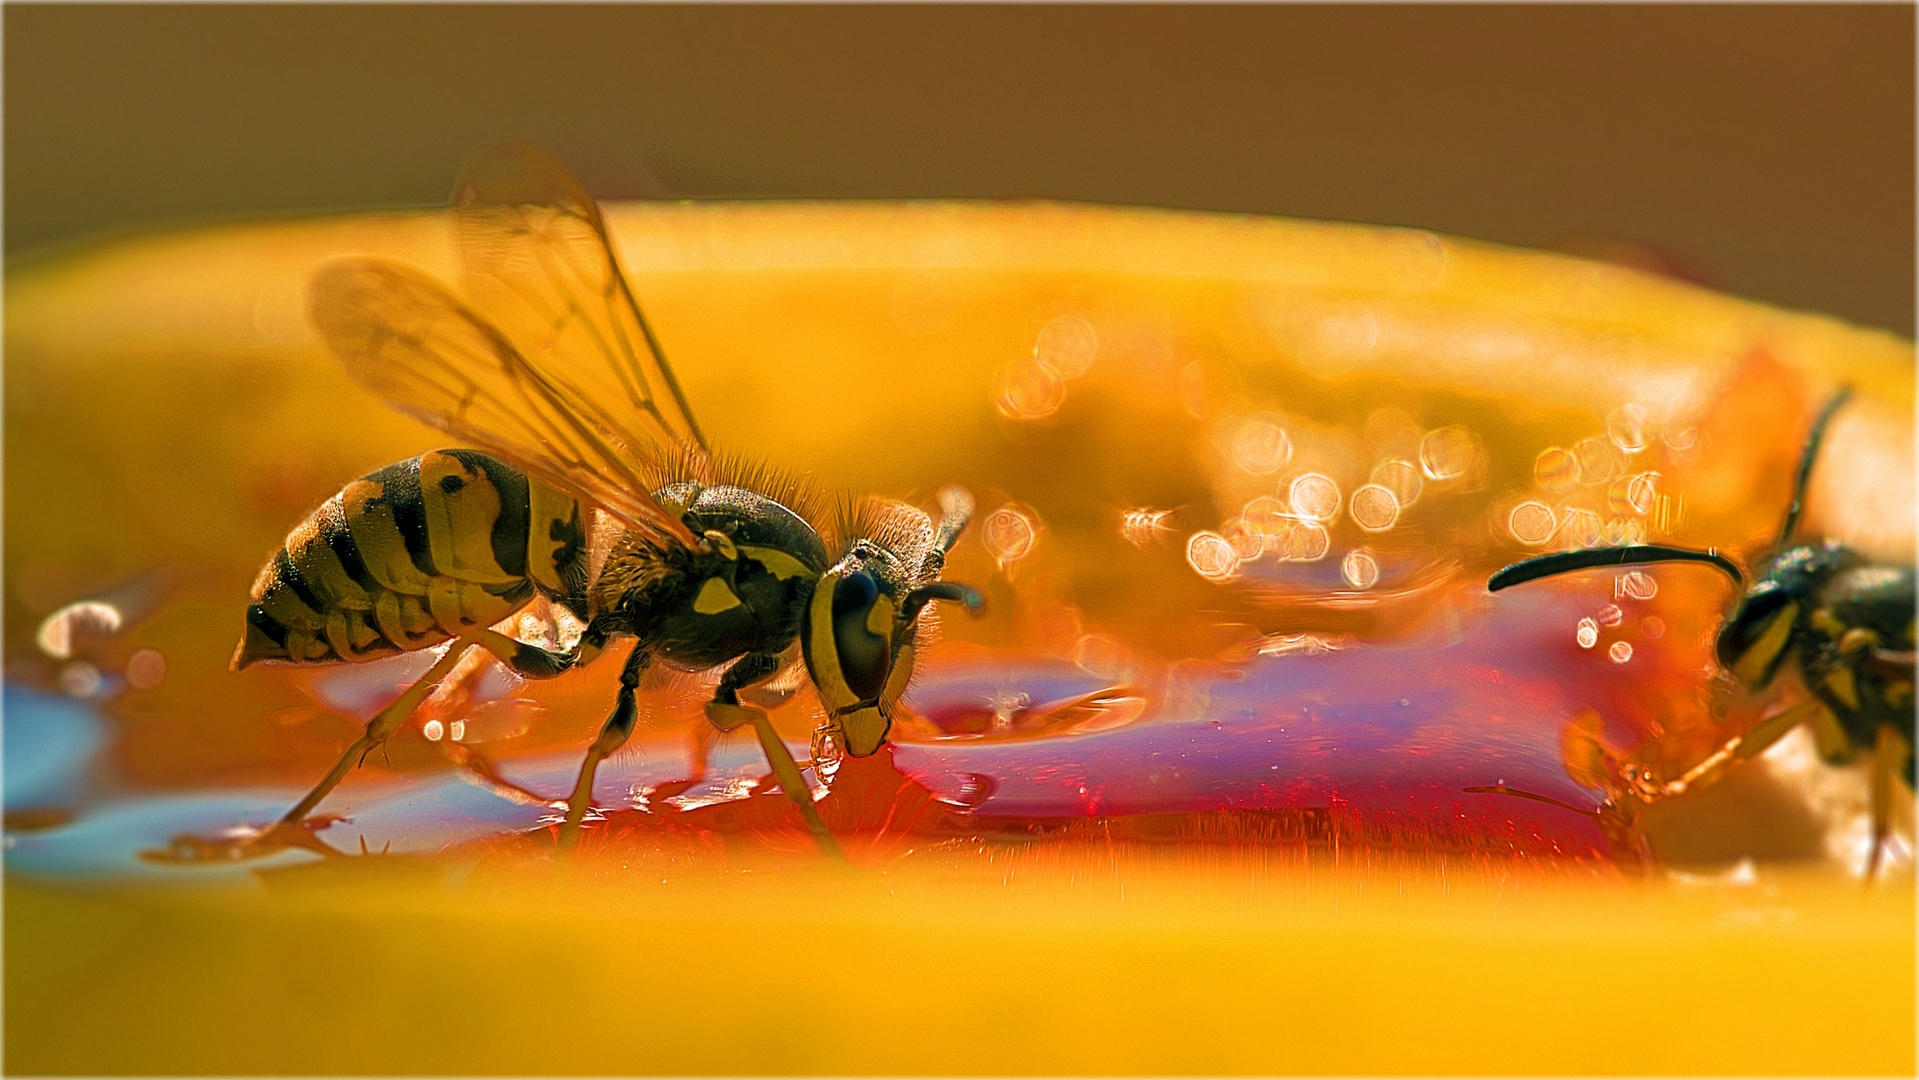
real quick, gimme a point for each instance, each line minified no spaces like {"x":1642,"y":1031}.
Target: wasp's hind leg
{"x":726,"y":713}
{"x":292,"y":830}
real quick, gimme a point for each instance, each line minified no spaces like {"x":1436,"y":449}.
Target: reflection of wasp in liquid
{"x":1847,"y":622}
{"x":563,"y":378}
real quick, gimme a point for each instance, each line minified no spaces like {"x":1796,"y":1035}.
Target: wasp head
{"x":859,"y":640}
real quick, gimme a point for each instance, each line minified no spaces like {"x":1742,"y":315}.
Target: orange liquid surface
{"x":1189,"y":797}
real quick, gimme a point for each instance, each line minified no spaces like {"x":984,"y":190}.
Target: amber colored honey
{"x":1138,"y":820}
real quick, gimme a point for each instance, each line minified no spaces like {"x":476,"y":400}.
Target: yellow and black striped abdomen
{"x":412,"y":555}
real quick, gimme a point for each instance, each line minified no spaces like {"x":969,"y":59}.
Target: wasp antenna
{"x":1813,"y":439}
{"x":1565,"y":562}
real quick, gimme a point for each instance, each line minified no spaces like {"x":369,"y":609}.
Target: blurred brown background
{"x":1768,"y":149}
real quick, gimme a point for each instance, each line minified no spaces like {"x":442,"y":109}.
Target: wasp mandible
{"x":592,"y":487}
{"x":1845,"y":620}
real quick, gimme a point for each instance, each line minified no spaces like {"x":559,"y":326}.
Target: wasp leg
{"x":378,"y":730}
{"x":1888,"y":762}
{"x":530,"y":661}
{"x":626,"y":711}
{"x":1741,"y":747}
{"x":726,"y":713}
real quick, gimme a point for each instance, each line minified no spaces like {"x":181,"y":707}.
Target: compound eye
{"x":863,"y":655}
{"x":1754,"y":636}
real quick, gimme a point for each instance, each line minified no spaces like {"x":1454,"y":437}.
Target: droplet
{"x":1359,"y":568}
{"x":1642,"y":493}
{"x":1028,"y":390}
{"x":1267,"y":514}
{"x":145,"y":669}
{"x":1653,"y":627}
{"x":827,"y":753}
{"x":1306,"y":542}
{"x":1375,"y":508}
{"x":1622,"y":531}
{"x":1248,"y":542}
{"x":1626,"y":426}
{"x":433,"y":730}
{"x":1314,"y":497}
{"x":1599,"y":461}
{"x":1009,"y":534}
{"x":1144,"y":525}
{"x":1260,"y":447}
{"x":1212,"y":556}
{"x":1620,"y":652}
{"x":86,"y":617}
{"x":1401,"y":478}
{"x":1610,"y":615}
{"x":1637,"y":584}
{"x":1346,"y":329}
{"x":1532,"y":523}
{"x":1447,"y":452}
{"x":1555,"y":470}
{"x":1587,"y":634}
{"x":456,"y":730}
{"x":1097,"y":654}
{"x":1579,"y":528}
{"x":81,"y":680}
{"x":1067,"y":344}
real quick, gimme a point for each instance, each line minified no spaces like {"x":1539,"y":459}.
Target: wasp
{"x":588,"y":485}
{"x":1846,"y":622}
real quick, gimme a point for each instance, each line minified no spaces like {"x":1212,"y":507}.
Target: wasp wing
{"x":537,"y":259}
{"x":409,"y":340}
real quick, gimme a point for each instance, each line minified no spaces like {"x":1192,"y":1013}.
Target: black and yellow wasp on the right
{"x":592,"y":489}
{"x":1846,"y":621}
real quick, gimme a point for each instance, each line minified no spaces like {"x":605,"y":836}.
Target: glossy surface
{"x":1241,"y":483}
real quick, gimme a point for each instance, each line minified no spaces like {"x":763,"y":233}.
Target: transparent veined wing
{"x":537,"y":260}
{"x":411,"y":341}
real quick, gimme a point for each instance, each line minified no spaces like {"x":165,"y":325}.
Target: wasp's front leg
{"x":726,"y":713}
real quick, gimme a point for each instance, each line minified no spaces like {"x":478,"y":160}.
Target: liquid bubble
{"x":1637,"y":584}
{"x":1401,"y":478}
{"x":1626,"y":426}
{"x":1067,"y":344}
{"x":1555,"y":470}
{"x":1009,"y":534}
{"x":1375,"y":508}
{"x":1248,"y":542}
{"x":1598,"y":460}
{"x":1447,"y":452}
{"x":1306,"y":542}
{"x":1027,"y":390}
{"x":433,"y":730}
{"x":1212,"y":556}
{"x":1261,"y":447}
{"x":1145,"y":525}
{"x":1653,"y":627}
{"x":81,"y":680}
{"x":1314,"y":497}
{"x":1532,"y":523}
{"x":1359,"y":568}
{"x":1579,"y":528}
{"x":1587,"y":634}
{"x":1620,"y":652}
{"x":1610,"y":615}
{"x":146,"y":668}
